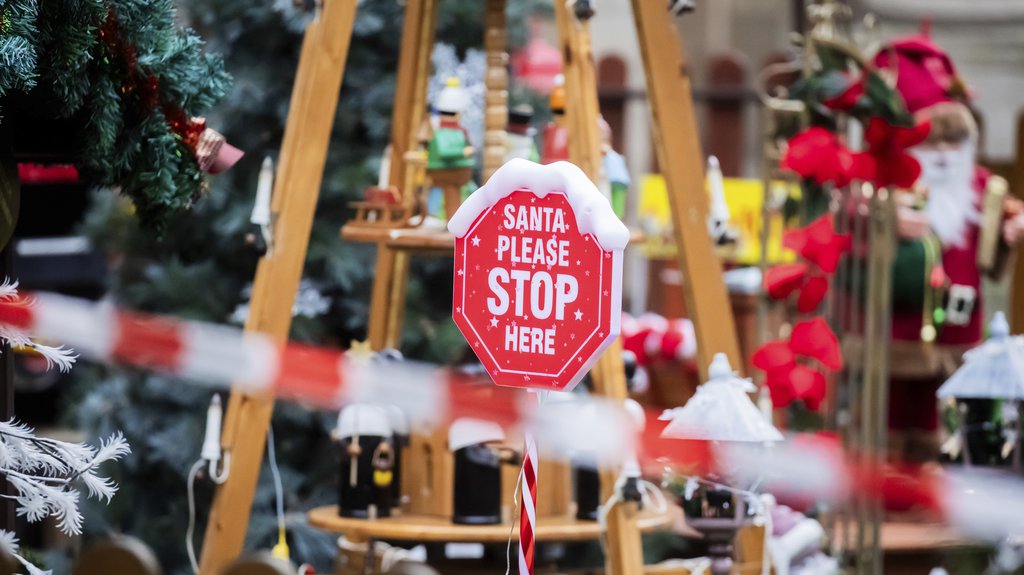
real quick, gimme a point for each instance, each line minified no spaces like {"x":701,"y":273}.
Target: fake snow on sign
{"x":538,"y":274}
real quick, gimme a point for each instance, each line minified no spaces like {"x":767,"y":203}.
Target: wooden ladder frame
{"x":303,"y":154}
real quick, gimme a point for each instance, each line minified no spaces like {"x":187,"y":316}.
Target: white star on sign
{"x":460,"y":271}
{"x":578,"y":314}
{"x":494,"y":322}
{"x":476,"y":241}
{"x":458,"y":310}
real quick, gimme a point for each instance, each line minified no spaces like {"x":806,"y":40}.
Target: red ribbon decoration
{"x":817,"y":154}
{"x":886,"y":162}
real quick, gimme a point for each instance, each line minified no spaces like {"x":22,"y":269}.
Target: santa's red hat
{"x":924,"y":72}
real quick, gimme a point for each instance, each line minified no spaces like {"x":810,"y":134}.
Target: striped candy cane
{"x":528,"y":507}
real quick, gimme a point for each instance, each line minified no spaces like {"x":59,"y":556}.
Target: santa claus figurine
{"x":937,"y":306}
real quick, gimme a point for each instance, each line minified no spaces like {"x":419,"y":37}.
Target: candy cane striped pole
{"x":528,"y":507}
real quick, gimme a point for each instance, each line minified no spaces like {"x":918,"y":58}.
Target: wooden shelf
{"x":422,"y":239}
{"x":907,"y":537}
{"x":438,"y":529}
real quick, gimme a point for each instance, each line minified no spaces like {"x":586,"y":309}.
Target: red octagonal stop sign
{"x":538,"y":274}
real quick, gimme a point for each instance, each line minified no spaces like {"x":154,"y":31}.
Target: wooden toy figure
{"x":520,"y":134}
{"x":940,"y":231}
{"x":367,"y":462}
{"x":477,"y":486}
{"x":555,"y":144}
{"x":615,"y":178}
{"x":449,"y":153}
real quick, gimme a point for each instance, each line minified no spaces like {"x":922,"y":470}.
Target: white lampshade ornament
{"x":993,"y":370}
{"x":721,"y":410}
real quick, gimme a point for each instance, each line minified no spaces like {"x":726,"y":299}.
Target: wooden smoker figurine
{"x":477,"y":485}
{"x":367,"y":462}
{"x":449,"y":153}
{"x":519,"y":134}
{"x":555,"y":139}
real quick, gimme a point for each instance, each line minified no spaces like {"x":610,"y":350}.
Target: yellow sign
{"x":744,"y":197}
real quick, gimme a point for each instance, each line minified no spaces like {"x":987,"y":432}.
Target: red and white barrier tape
{"x":806,"y":467}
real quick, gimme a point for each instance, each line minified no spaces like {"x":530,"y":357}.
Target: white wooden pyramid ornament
{"x":721,"y":410}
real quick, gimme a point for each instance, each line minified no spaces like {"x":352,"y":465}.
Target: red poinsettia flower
{"x":811,"y":294}
{"x":774,"y":355}
{"x":814,"y":338}
{"x":780,"y":387}
{"x":848,"y":98}
{"x":778,"y":362}
{"x":809,"y":385}
{"x":886,"y":162}
{"x":819,"y":243}
{"x":786,"y":379}
{"x":784,"y":279}
{"x":817,"y":154}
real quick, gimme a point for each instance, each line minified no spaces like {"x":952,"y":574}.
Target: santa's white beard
{"x":949,"y":178}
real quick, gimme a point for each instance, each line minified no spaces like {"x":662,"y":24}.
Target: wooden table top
{"x":420,"y":239}
{"x":438,"y":529}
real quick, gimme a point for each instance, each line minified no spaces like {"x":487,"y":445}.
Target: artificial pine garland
{"x":130,"y":82}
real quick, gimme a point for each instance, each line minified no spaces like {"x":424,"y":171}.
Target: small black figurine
{"x":367,"y":462}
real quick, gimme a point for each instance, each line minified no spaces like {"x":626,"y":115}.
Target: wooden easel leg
{"x":581,"y":108}
{"x":682,"y":164}
{"x":303,"y":154}
{"x":624,"y":548}
{"x":387,"y":307}
{"x":411,"y":83}
{"x":380,"y":298}
{"x":624,"y":551}
{"x":396,"y":313}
